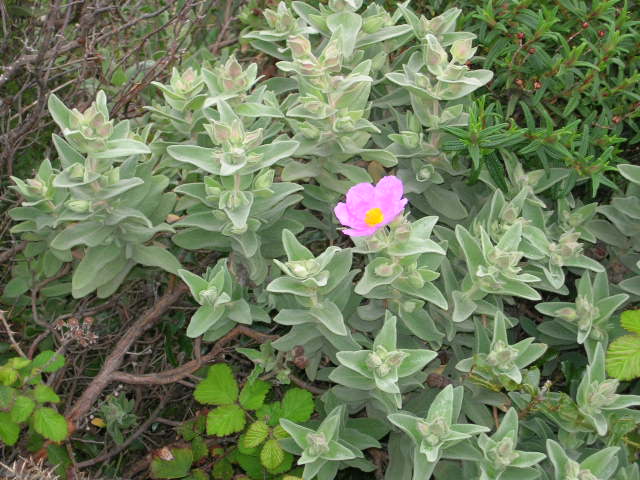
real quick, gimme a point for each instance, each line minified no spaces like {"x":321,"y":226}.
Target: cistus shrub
{"x":438,"y":289}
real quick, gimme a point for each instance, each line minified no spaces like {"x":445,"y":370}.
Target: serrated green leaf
{"x":630,"y":321}
{"x":225,"y":420}
{"x":22,"y":409}
{"x":176,"y":468}
{"x":199,"y":448}
{"x":48,"y":361}
{"x":253,"y":394}
{"x":218,"y":388}
{"x":44,"y":394}
{"x":222,"y":470}
{"x":271,"y":455}
{"x":256,"y":434}
{"x":9,"y":430}
{"x":50,"y":424}
{"x":297,"y":405}
{"x":623,"y":357}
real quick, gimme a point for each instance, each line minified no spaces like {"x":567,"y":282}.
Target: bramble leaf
{"x":297,"y":405}
{"x":623,"y":357}
{"x":219,"y":387}
{"x":225,"y":420}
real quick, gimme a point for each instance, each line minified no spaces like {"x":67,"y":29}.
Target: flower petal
{"x":360,"y":199}
{"x":389,"y":189}
{"x":342,"y":213}
{"x":392,"y":210}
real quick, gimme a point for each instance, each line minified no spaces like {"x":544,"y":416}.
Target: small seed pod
{"x":537,"y":85}
{"x":585,"y":24}
{"x":532,"y":50}
{"x":435,"y":380}
{"x":520,"y":36}
{"x":601,"y":33}
{"x":298,"y":351}
{"x":301,"y":362}
{"x":443,"y":356}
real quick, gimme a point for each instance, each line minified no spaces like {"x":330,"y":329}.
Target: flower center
{"x":374,"y":217}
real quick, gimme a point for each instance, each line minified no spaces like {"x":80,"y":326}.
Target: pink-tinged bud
{"x":300,"y":46}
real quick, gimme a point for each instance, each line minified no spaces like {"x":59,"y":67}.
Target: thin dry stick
{"x":302,"y":384}
{"x":175,"y":374}
{"x":14,"y":344}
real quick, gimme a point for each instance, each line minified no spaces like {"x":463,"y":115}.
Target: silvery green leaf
{"x":203,"y":319}
{"x":329,"y":315}
{"x":289,"y":285}
{"x":351,"y":379}
{"x":240,"y":312}
{"x":293,"y":317}
{"x":66,"y":179}
{"x":345,"y":26}
{"x":293,"y":248}
{"x":387,"y":335}
{"x":237,"y":206}
{"x":383,"y":34}
{"x":123,"y":147}
{"x":203,"y":158}
{"x":195,"y":283}
{"x":630,"y":172}
{"x":378,"y":272}
{"x":420,"y":323}
{"x":108,"y":260}
{"x":58,"y":111}
{"x":415,"y":361}
{"x":602,"y":464}
{"x":356,"y":361}
{"x":463,"y":306}
{"x":153,"y":256}
{"x":428,"y":292}
{"x":91,"y":233}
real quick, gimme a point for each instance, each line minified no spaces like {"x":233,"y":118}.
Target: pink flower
{"x":370,"y":208}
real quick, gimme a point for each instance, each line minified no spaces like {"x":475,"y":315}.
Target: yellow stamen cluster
{"x":374,"y":217}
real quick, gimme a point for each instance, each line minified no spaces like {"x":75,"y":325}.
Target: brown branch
{"x":14,"y":344}
{"x":228,"y":18}
{"x":302,"y":384}
{"x":116,"y":357}
{"x":12,"y":252}
{"x":176,"y":374}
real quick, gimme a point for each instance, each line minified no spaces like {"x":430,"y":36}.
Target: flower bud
{"x":384,"y":270}
{"x":209,"y":296}
{"x":462,"y":50}
{"x":435,"y":56}
{"x":264,"y":179}
{"x":309,"y":131}
{"x":566,"y":313}
{"x":395,"y":359}
{"x":409,"y":306}
{"x":78,"y":206}
{"x":318,"y":443}
{"x":77,"y":171}
{"x":300,"y":46}
{"x":402,"y":232}
{"x":332,"y":57}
